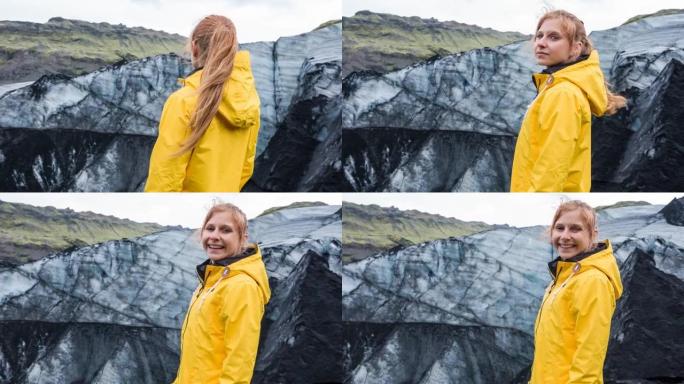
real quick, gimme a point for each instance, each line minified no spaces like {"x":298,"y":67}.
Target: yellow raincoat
{"x":220,"y":334}
{"x":573,"y":324}
{"x":553,"y":151}
{"x":223,"y":159}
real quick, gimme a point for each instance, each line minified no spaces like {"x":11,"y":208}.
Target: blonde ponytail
{"x":216,"y":40}
{"x":615,"y":102}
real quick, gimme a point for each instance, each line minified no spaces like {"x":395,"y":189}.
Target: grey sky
{"x":186,"y":209}
{"x":255,"y":20}
{"x":510,"y":15}
{"x":516,"y":209}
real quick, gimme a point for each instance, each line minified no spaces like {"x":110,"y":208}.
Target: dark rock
{"x":432,"y":353}
{"x":40,"y":352}
{"x":646,"y":332}
{"x":640,"y":149}
{"x":413,"y":160}
{"x":305,"y":150}
{"x":304,"y":342}
{"x":72,"y":160}
{"x":674,"y":212}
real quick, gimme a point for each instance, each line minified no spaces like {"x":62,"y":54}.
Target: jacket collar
{"x":558,"y":67}
{"x":202,"y":268}
{"x":553,"y":265}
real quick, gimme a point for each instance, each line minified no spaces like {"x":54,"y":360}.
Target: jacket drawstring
{"x":225,"y":273}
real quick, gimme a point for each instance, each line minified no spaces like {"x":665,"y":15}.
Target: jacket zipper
{"x":575,"y":269}
{"x":546,"y":297}
{"x":187,"y":317}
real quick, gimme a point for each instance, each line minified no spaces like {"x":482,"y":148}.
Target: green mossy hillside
{"x":298,"y":204}
{"x":384,"y":42}
{"x":662,"y":12}
{"x":29,"y":233}
{"x":73,"y":47}
{"x":369,"y":229}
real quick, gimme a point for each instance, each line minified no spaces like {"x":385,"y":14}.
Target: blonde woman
{"x":553,"y":151}
{"x":208,"y":129}
{"x":573,"y":325}
{"x":220,"y":334}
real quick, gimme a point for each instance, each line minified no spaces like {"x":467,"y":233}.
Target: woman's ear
{"x":194,"y":51}
{"x":576,"y":50}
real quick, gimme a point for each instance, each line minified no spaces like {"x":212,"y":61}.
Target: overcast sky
{"x":255,"y":20}
{"x":185,"y":209}
{"x":516,"y":209}
{"x":188,"y":209}
{"x":514,"y":15}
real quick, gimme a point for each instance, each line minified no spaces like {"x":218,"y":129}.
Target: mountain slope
{"x":29,"y":233}
{"x":383,"y":42}
{"x":369,"y":229}
{"x":74,"y":47}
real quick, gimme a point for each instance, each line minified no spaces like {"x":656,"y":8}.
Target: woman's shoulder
{"x":566,"y":88}
{"x":184,"y":97}
{"x":243,"y":281}
{"x":593,"y":279}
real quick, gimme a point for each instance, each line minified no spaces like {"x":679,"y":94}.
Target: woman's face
{"x":220,"y":238}
{"x":551,"y":47}
{"x":571,"y":235}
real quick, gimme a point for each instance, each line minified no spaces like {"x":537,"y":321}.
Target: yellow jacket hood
{"x":587,"y":76}
{"x":572,"y":329}
{"x":236,"y":111}
{"x":248,"y":263}
{"x":601,"y":260}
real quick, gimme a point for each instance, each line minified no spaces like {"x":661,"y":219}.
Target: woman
{"x":220,"y":334}
{"x":208,"y":129}
{"x":553,"y":151}
{"x":573,"y":324}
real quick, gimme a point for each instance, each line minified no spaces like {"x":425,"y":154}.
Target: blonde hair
{"x":238,"y":218}
{"x":587,"y":213}
{"x":573,"y":29}
{"x":216,"y":41}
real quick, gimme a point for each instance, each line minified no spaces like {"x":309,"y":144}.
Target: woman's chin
{"x":216,"y":256}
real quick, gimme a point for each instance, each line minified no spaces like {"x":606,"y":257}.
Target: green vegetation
{"x":29,"y":233}
{"x":621,"y":204}
{"x":383,"y":42}
{"x":74,"y":47}
{"x":298,"y":204}
{"x":327,"y":24}
{"x":368,"y":229}
{"x":662,"y":12}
